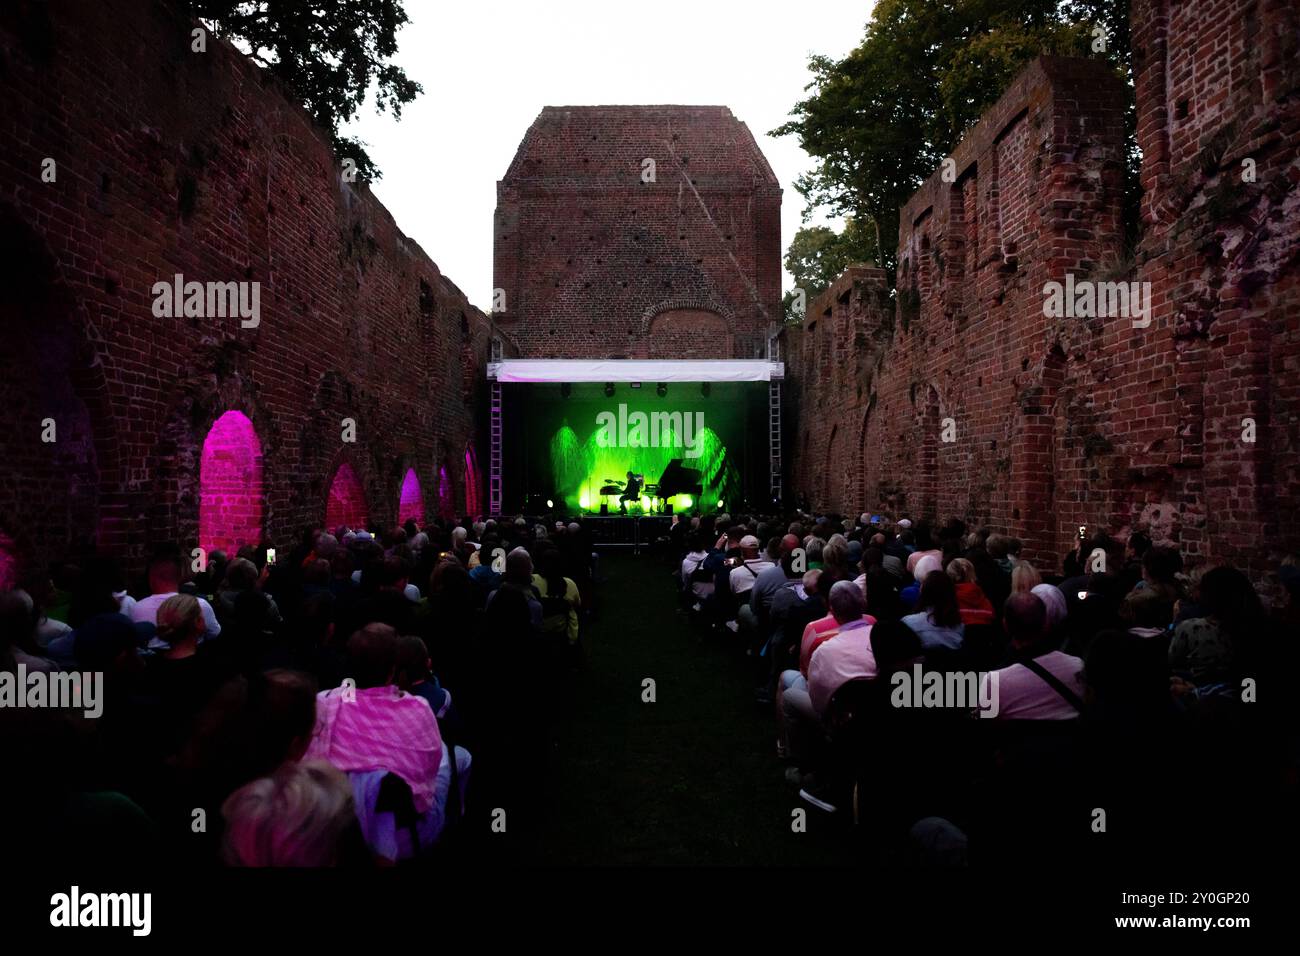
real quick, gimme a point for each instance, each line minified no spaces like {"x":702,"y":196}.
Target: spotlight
{"x":721,"y":504}
{"x":609,"y":389}
{"x":662,"y":390}
{"x":550,"y":503}
{"x":704,"y":389}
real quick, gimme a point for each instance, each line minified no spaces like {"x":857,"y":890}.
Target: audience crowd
{"x":960,"y":705}
{"x":358,"y":700}
{"x":350,"y":703}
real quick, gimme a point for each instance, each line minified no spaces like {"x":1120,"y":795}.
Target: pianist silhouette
{"x":631,"y":492}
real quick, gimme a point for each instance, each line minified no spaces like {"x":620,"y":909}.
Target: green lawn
{"x":692,"y":778}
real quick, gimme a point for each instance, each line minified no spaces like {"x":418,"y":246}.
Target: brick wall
{"x":595,"y":261}
{"x":170,"y":161}
{"x":1059,"y":422}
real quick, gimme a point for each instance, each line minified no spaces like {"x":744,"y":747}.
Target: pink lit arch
{"x":230,"y":485}
{"x":347,"y":501}
{"x":411,"y":502}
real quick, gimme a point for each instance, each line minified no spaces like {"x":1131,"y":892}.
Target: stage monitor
{"x":690,"y":445}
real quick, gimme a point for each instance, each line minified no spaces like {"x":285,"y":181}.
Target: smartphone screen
{"x":270,"y":555}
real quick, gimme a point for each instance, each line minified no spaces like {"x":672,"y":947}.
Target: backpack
{"x":700,"y":574}
{"x":553,"y":606}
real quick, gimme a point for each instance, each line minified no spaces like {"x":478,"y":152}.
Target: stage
{"x":583,"y":437}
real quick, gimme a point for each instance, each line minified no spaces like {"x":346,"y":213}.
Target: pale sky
{"x":489,"y":67}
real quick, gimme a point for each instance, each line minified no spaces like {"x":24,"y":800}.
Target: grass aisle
{"x":691,"y":778}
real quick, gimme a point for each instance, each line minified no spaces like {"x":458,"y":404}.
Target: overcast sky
{"x":489,"y":67}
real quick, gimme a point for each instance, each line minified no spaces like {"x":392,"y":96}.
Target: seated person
{"x":242,"y":577}
{"x":415,"y":675}
{"x":972,"y":603}
{"x":849,"y":656}
{"x":301,"y":815}
{"x":376,"y":726}
{"x":559,"y":596}
{"x":181,"y":677}
{"x":744,"y":574}
{"x":631,"y":491}
{"x":912,"y":593}
{"x":824,"y":628}
{"x":937,"y":621}
{"x":799,"y":712}
{"x":165,"y":582}
{"x":1044,"y":684}
{"x":696,"y":577}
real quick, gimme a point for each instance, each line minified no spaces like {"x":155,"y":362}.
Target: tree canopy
{"x":329,"y":52}
{"x":817,"y":255}
{"x":881,"y":120}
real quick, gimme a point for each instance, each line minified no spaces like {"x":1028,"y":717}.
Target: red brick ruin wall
{"x":1061,"y":422}
{"x":638,"y":232}
{"x":171,"y":161}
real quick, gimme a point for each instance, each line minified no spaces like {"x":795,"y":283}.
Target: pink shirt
{"x":382,"y":728}
{"x":847,"y":657}
{"x":818,"y":632}
{"x":1023,"y":695}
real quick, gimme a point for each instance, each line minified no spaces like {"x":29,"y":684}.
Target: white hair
{"x":295,"y":817}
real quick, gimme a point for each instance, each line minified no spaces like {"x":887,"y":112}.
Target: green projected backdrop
{"x":566,"y":448}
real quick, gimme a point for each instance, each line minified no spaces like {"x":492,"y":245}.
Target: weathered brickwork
{"x":1061,"y":422}
{"x":638,"y":232}
{"x":169,"y":161}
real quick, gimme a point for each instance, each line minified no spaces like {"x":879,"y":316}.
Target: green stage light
{"x":571,"y":447}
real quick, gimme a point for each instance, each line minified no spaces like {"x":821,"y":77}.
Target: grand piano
{"x":677,"y":479}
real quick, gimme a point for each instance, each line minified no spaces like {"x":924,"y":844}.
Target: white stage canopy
{"x":635,"y":370}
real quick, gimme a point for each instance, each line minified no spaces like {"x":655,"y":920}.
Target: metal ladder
{"x":774,"y":422}
{"x":494,"y":439}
